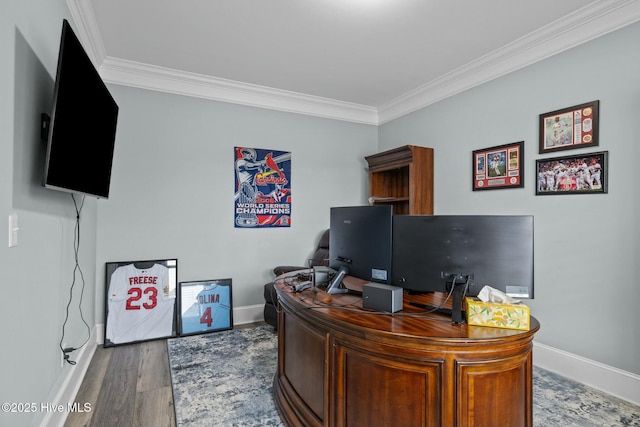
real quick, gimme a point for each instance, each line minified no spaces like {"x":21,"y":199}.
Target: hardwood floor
{"x":128,"y":385}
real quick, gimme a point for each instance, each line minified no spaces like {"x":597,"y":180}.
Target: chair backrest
{"x":321,"y":255}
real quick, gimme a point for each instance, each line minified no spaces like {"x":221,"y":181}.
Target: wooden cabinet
{"x":342,"y":366}
{"x":402,"y":177}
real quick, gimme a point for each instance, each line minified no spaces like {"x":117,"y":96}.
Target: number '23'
{"x":134,"y":301}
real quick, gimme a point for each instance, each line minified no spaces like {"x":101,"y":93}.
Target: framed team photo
{"x":579,"y":174}
{"x":205,"y":306}
{"x":569,"y":128}
{"x":498,"y":167}
{"x":140,"y":301}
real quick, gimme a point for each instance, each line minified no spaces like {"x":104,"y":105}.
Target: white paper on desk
{"x":489,"y":294}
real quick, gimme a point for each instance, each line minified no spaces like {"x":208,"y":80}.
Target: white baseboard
{"x":616,"y":382}
{"x":100,"y":334}
{"x":71,"y":383}
{"x":248,"y":314}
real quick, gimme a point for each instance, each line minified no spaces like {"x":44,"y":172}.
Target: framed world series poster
{"x":205,"y":306}
{"x":262,"y":188}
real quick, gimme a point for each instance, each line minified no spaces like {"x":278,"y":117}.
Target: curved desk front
{"x":342,"y":365}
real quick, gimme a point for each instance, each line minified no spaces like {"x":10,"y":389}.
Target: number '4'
{"x":206,"y":317}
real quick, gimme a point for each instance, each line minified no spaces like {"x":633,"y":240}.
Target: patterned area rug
{"x":559,"y":401}
{"x":225,"y":379}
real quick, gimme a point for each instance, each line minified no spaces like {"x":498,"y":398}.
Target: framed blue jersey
{"x":205,"y":306}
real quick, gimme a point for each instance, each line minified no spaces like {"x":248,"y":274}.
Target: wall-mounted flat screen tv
{"x":81,"y":128}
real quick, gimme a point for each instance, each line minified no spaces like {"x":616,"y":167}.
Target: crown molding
{"x":145,"y":76}
{"x":86,"y":27}
{"x":585,"y":24}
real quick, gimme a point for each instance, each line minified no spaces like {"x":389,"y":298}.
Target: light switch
{"x":13,"y":230}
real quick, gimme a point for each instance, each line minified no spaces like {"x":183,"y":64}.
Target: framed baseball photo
{"x":579,"y":174}
{"x":569,"y":128}
{"x":205,"y":306}
{"x":140,"y":302}
{"x":499,"y":167}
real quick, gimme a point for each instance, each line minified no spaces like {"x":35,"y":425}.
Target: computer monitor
{"x":360,"y":239}
{"x":435,"y":253}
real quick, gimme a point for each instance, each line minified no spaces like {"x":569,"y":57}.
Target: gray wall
{"x":38,"y":273}
{"x":586,"y":246}
{"x":173,"y":186}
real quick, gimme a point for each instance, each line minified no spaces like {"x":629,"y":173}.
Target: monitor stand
{"x":459,"y":291}
{"x":460,"y":284}
{"x":337,"y":287}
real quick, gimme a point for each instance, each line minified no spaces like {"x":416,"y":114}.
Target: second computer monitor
{"x":433,"y":252}
{"x":360,"y":241}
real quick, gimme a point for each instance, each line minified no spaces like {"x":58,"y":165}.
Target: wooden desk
{"x":342,"y":365}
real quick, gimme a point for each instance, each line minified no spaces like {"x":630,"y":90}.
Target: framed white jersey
{"x":140,"y":301}
{"x":205,"y":306}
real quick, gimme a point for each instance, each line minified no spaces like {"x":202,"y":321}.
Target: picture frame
{"x":498,"y":167}
{"x":140,"y":301}
{"x":205,"y":306}
{"x":578,"y":174}
{"x":570,"y":128}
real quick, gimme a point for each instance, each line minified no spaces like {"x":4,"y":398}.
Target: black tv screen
{"x":493,"y":250}
{"x":82,"y":128}
{"x":360,"y":239}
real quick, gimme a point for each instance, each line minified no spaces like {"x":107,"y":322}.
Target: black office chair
{"x":319,"y":258}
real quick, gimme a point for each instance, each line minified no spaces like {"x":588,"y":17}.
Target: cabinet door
{"x":495,"y":393}
{"x":302,"y":351}
{"x":371,"y":390}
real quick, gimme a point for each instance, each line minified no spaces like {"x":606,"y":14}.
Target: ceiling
{"x":366,"y":61}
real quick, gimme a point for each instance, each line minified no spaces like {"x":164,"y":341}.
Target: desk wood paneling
{"x":342,"y":365}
